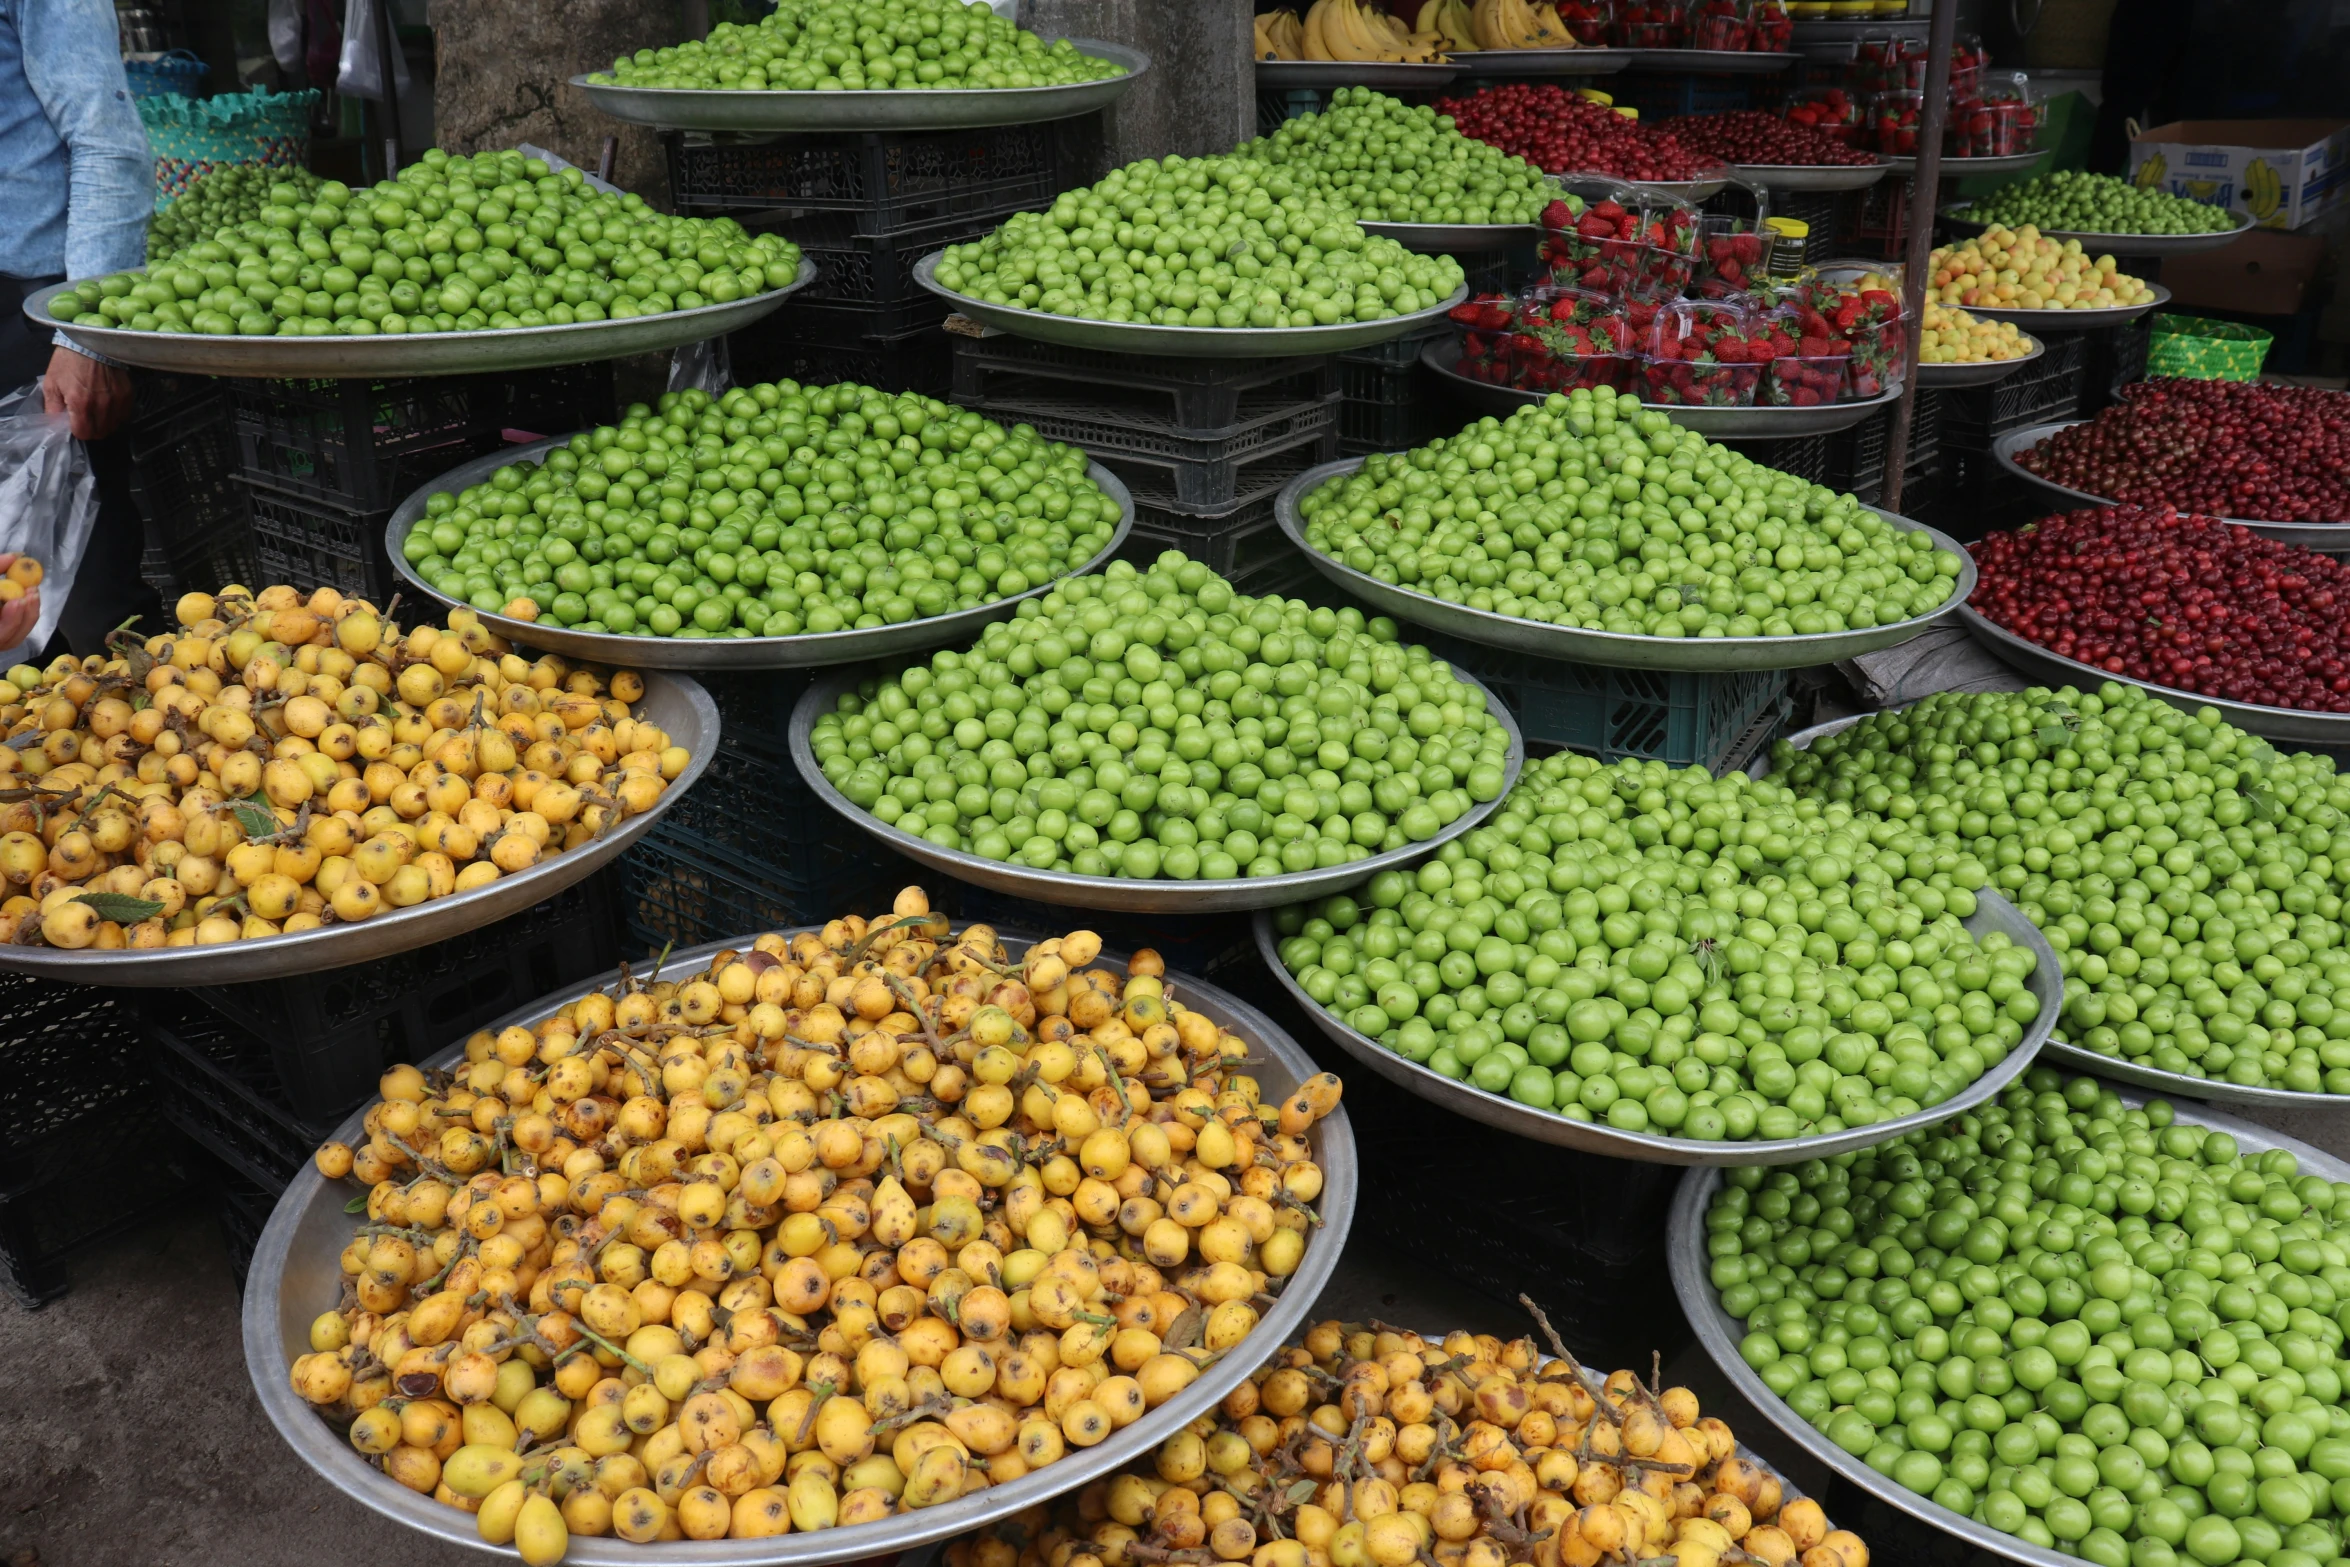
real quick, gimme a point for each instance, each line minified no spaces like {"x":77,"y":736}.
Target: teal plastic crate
{"x":1653,"y":715}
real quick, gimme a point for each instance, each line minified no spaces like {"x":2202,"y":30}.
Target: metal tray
{"x":296,"y":1272}
{"x":1720,"y":1332}
{"x":678,"y":705}
{"x":1281,"y":75}
{"x":2270,"y":723}
{"x":650,"y":652}
{"x":1903,"y":166}
{"x":1713,"y":62}
{"x":1936,"y":378}
{"x":1542,"y":62}
{"x":1443,"y":356}
{"x":1159,"y":896}
{"x":1803,"y":176}
{"x":2119,"y":1068}
{"x":2327,"y":538}
{"x":1956,"y":220}
{"x":952,"y":108}
{"x":1499,"y":1110}
{"x":1439,"y":239}
{"x":1682,"y":190}
{"x":2072,"y":320}
{"x":1613,"y":649}
{"x":1182,"y":342}
{"x":415,"y":353}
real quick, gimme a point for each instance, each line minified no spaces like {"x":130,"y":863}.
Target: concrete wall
{"x":505,"y":68}
{"x":1200,"y":95}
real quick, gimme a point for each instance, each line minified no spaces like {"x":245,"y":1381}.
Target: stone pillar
{"x":1200,"y":95}
{"x":504,"y":74}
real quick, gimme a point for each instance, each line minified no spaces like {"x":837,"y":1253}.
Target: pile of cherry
{"x":2223,"y":448}
{"x":2192,"y":603}
{"x":1755,"y":136}
{"x":1560,"y":133}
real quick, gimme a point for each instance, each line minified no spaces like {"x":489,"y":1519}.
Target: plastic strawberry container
{"x":1486,"y":323}
{"x":1730,"y":256}
{"x":1588,"y":20}
{"x":1702,"y":354}
{"x":1651,"y":24}
{"x":1719,"y":24}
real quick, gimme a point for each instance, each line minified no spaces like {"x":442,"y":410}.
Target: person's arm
{"x":73,"y":62}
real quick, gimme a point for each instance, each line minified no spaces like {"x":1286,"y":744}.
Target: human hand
{"x":17,"y":615}
{"x":97,"y":396}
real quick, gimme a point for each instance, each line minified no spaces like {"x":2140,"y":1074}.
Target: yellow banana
{"x":2150,"y":173}
{"x":1397,"y":34}
{"x":1347,"y":20}
{"x":1431,"y":17}
{"x":1554,"y":28}
{"x":1316,"y":41}
{"x":1458,"y":26}
{"x":2263,"y":191}
{"x":1531,"y":34}
{"x":1293,"y":35}
{"x":1370,"y":31}
{"x":1487,"y":20}
{"x":1263,"y":46}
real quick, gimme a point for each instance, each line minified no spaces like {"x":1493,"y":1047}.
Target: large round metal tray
{"x":1935,"y":378}
{"x":2327,"y":538}
{"x":1683,"y":190}
{"x":1956,"y":220}
{"x":1443,"y":356}
{"x":2072,"y":320}
{"x":2122,"y":1068}
{"x":1904,"y":165}
{"x":1614,"y":649}
{"x":1816,"y":177}
{"x":296,"y":1273}
{"x":1542,"y":62}
{"x":1183,"y":342}
{"x":1440,"y":239}
{"x":1499,"y":1110}
{"x":952,"y":108}
{"x":678,"y":705}
{"x":414,"y":353}
{"x":1720,"y":1332}
{"x":1280,"y":75}
{"x":1713,"y":62}
{"x":1160,"y":896}
{"x":2270,"y":723}
{"x":648,"y":652}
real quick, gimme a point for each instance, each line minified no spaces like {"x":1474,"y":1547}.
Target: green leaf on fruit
{"x":356,"y":1205}
{"x":255,"y":816}
{"x":120,"y":907}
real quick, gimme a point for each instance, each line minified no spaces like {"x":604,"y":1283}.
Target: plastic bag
{"x":285,"y":36}
{"x":48,"y":505}
{"x":360,"y":73}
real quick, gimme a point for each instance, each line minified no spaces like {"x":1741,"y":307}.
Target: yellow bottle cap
{"x":1793,"y":228}
{"x":1627,"y":111}
{"x":1594,"y":95}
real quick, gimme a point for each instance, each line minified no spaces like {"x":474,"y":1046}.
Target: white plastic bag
{"x":48,"y":505}
{"x":360,"y":73}
{"x":285,"y":36}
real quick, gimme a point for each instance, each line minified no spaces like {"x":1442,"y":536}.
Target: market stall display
{"x":1564,"y":132}
{"x":233,"y":194}
{"x":244,"y":802}
{"x":1437,"y":176}
{"x":1303,"y":74}
{"x":1262,"y":1251}
{"x":1856,"y":579}
{"x":2225,"y":1010}
{"x":2010,"y":449}
{"x":367,"y":265}
{"x":1776,"y":152}
{"x":1956,"y":349}
{"x":1347,"y":32}
{"x":1443,"y":357}
{"x":1159,"y":806}
{"x":2231,"y":449}
{"x":1903,"y":165}
{"x":2055,"y":280}
{"x":2102,"y":213}
{"x":809,"y":588}
{"x":2085,"y":1332}
{"x":1610,"y":1014}
{"x":1251,"y":294}
{"x":1544,"y":1404}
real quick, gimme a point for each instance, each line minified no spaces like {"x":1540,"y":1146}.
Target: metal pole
{"x":1925,"y":186}
{"x":387,"y":41}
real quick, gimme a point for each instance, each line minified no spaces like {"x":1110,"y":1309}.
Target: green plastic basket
{"x":2196,"y":348}
{"x":191,"y":137}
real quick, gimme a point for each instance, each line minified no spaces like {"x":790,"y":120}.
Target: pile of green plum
{"x":1225,"y":242}
{"x":863,"y":45}
{"x":232,"y":194}
{"x":1386,"y":161}
{"x":2075,"y":201}
{"x":775,"y":510}
{"x":1156,"y":724}
{"x":1584,"y":510}
{"x":2189,"y":876}
{"x":2098,"y":1329}
{"x":494,"y":241}
{"x":1660,"y":951}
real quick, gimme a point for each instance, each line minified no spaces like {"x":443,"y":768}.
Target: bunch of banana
{"x":1280,"y":36}
{"x":1515,"y":24}
{"x":1451,"y":21}
{"x":1352,"y":30}
{"x":2264,"y":193}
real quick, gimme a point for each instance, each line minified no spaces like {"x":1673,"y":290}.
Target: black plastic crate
{"x":1120,"y":422}
{"x":241,"y":1207}
{"x":1216,"y":489}
{"x":1669,"y":95}
{"x":2112,"y":359}
{"x":1198,"y":946}
{"x":682,"y":889}
{"x":1231,"y":545}
{"x":888,"y":180}
{"x":206,"y":563}
{"x":1804,"y":456}
{"x":1973,"y":417}
{"x":331,"y":1035}
{"x":918,"y":361}
{"x":1652,"y":714}
{"x":841,"y":324}
{"x":1185,"y":394}
{"x":220,"y":1086}
{"x":366,"y":444}
{"x":312,"y":544}
{"x":1856,"y":457}
{"x":182,"y":456}
{"x":875,"y":269}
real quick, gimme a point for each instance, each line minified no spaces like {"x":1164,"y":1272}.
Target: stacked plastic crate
{"x":1206,"y":445}
{"x":183,"y":450}
{"x":866,"y":207}
{"x":1972,"y":422}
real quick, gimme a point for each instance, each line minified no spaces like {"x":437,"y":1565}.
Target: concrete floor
{"x":115,"y":1453}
